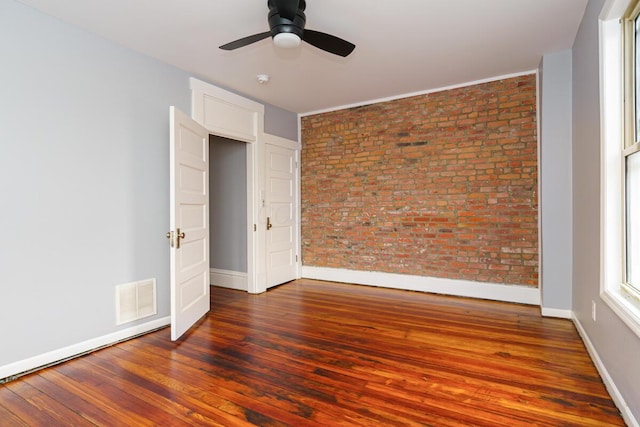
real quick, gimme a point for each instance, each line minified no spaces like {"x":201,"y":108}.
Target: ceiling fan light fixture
{"x":286,"y":40}
{"x":287,"y":28}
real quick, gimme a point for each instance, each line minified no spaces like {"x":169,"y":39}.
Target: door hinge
{"x":255,"y":227}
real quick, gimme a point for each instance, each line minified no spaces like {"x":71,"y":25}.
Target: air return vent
{"x":135,"y":301}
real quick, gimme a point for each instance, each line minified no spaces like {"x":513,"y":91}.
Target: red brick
{"x":445,"y":183}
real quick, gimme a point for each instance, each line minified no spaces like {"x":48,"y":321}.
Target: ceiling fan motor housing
{"x":279,"y":24}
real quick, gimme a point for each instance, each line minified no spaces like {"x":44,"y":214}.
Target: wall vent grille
{"x":135,"y":301}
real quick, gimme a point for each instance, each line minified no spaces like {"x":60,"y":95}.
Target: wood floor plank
{"x":59,"y":387}
{"x":187,"y":380}
{"x":43,"y":404}
{"x":16,"y":400}
{"x":172,"y":394}
{"x":8,"y":417}
{"x":313,"y":353}
{"x":253,"y":384}
{"x":114,"y":392}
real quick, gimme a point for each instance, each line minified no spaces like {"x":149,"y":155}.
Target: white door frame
{"x":232,"y":116}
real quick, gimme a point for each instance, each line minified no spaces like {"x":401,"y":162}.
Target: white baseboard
{"x":32,"y":363}
{"x":606,"y":378}
{"x":463,"y":288}
{"x":229,"y":279}
{"x":556,"y":312}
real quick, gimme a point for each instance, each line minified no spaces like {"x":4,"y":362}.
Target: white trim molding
{"x":556,"y":312}
{"x":462,"y":288}
{"x":74,"y":350}
{"x":627,"y":415}
{"x":282,"y":142}
{"x":229,"y":279}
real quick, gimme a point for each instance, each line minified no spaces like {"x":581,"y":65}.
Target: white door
{"x":281,"y":214}
{"x":189,"y":222}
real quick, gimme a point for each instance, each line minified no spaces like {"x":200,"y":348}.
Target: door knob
{"x":269,"y":225}
{"x":174,"y":238}
{"x":179,"y":236}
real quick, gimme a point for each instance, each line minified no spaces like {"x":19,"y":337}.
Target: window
{"x":631,"y":148}
{"x":620,"y":159}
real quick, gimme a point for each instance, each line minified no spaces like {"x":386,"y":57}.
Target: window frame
{"x":614,"y":134}
{"x":629,"y":66}
{"x":630,"y":123}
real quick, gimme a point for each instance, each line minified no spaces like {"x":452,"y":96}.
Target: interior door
{"x":281,"y":214}
{"x":189,"y":222}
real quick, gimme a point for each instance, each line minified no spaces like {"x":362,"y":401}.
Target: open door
{"x":282,"y":213}
{"x":189,"y":222}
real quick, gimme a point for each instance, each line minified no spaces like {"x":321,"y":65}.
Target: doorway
{"x":228,"y":212}
{"x":232,"y":116}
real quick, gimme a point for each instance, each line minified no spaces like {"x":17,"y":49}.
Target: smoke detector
{"x":263,"y":79}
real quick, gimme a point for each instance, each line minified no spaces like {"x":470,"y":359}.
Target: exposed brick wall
{"x":440,"y":185}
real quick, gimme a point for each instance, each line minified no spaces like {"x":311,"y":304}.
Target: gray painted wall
{"x":616,"y":344}
{"x":228,"y":204}
{"x":83,"y":177}
{"x":84,"y":180}
{"x":280,"y":122}
{"x":555,"y":179}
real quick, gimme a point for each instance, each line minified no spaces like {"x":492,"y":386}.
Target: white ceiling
{"x":402,"y":46}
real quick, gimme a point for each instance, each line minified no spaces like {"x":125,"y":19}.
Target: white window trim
{"x":611,"y":169}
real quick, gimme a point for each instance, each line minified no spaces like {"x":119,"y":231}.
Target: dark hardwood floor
{"x":312,"y":353}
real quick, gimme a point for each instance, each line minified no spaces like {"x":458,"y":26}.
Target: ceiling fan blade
{"x":328,"y":43}
{"x":286,"y":8}
{"x":245,"y":41}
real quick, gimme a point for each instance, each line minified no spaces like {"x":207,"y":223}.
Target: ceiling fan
{"x":286,"y":21}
